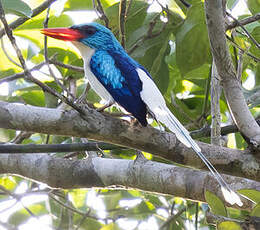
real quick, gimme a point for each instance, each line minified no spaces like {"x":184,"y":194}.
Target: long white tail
{"x":156,"y":104}
{"x":166,"y":117}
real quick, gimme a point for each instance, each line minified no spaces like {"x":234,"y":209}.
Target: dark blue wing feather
{"x":117,"y":73}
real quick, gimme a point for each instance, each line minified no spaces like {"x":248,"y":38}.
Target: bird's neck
{"x":85,"y":51}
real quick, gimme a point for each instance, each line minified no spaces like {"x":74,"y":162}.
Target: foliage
{"x":177,"y":54}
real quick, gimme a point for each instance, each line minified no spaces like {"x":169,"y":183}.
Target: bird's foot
{"x":140,"y":158}
{"x":101,"y":109}
{"x":135,"y":123}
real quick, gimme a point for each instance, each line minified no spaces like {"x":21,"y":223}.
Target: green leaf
{"x":17,"y":7}
{"x":192,"y":44}
{"x":252,"y":194}
{"x":230,"y":3}
{"x":88,"y":224}
{"x":255,"y":211}
{"x":6,"y":135}
{"x":199,"y":73}
{"x":217,"y":207}
{"x":134,"y":19}
{"x":8,"y":183}
{"x":22,"y":215}
{"x":34,"y":97}
{"x":111,"y":226}
{"x":65,"y":219}
{"x":36,"y":23}
{"x":228,"y":225}
{"x":78,"y":197}
{"x":253,"y":6}
{"x":78,"y":5}
{"x":72,"y":73}
{"x":6,"y":73}
{"x":256,"y":34}
{"x":68,"y":57}
{"x":111,"y":200}
{"x":240,"y":141}
{"x":74,"y":5}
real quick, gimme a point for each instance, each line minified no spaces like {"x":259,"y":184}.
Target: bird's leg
{"x":154,"y":117}
{"x":140,"y":158}
{"x":101,"y":109}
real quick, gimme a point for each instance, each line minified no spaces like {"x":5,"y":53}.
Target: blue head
{"x":97,"y":36}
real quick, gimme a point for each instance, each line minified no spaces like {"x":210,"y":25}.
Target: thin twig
{"x":122,"y":18}
{"x":256,"y":59}
{"x":243,"y":22}
{"x":101,"y":12}
{"x":215,"y":93}
{"x":22,"y":74}
{"x":233,"y":33}
{"x":240,"y":65}
{"x":17,"y":197}
{"x":45,"y":25}
{"x":129,"y":4}
{"x":67,"y":206}
{"x":196,"y":215}
{"x":85,"y":214}
{"x":245,"y":30}
{"x":21,"y":137}
{"x":66,"y":66}
{"x":174,"y":217}
{"x":205,"y":131}
{"x":253,"y":97}
{"x":149,"y":35}
{"x":23,"y":19}
{"x":207,"y":89}
{"x":28,"y":74}
{"x":7,"y":55}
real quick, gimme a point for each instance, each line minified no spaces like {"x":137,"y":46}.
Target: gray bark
{"x":101,"y":127}
{"x":123,"y":174}
{"x":231,"y":85}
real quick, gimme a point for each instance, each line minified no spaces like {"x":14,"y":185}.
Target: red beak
{"x":65,"y":34}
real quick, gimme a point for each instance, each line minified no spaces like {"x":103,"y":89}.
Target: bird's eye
{"x":88,"y":30}
{"x":85,"y":29}
{"x":91,"y":30}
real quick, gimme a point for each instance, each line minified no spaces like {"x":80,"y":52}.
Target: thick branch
{"x":101,"y":127}
{"x":232,"y":87}
{"x":102,"y":172}
{"x":33,"y":148}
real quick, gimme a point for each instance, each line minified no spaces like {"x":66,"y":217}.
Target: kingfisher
{"x":118,"y":78}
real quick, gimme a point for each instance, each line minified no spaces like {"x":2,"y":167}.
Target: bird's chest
{"x":93,"y":81}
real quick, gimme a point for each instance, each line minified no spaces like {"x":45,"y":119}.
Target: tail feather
{"x":164,"y":115}
{"x":155,"y":102}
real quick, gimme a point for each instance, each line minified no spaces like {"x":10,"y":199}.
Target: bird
{"x":118,"y":78}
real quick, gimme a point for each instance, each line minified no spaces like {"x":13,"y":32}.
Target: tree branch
{"x":243,"y":22}
{"x":48,"y":148}
{"x":21,"y":74}
{"x":99,"y":172}
{"x":215,"y":94}
{"x":232,"y":87}
{"x":245,"y":30}
{"x":102,"y":127}
{"x":22,"y":20}
{"x":122,"y":18}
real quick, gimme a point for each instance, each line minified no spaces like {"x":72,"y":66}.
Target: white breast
{"x":86,"y":53}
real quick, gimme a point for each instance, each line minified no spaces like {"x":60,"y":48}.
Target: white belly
{"x":87,"y":53}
